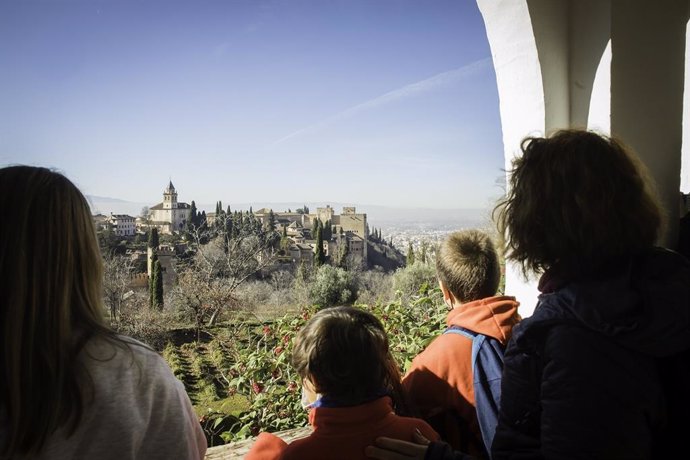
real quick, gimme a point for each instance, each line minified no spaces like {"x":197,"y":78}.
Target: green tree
{"x":284,"y":241}
{"x":343,"y":252}
{"x":154,"y":241}
{"x":271,"y":224}
{"x":410,"y":254}
{"x":157,"y":287}
{"x":414,"y":279}
{"x":319,"y":256}
{"x":422,"y":253}
{"x":191,"y":223}
{"x":192,"y":213}
{"x":152,"y":281}
{"x":327,"y":231}
{"x":332,"y":286}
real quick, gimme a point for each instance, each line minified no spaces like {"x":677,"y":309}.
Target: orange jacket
{"x":439,"y":383}
{"x":342,"y":433}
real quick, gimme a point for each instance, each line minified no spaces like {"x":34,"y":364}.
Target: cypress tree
{"x":152,"y":278}
{"x":271,"y":221}
{"x":153,"y":238}
{"x":314,"y":227}
{"x":284,"y":242}
{"x":319,"y":256}
{"x":410,"y":254}
{"x":327,"y":231}
{"x":191,"y":222}
{"x":157,"y":292}
{"x":344,"y":250}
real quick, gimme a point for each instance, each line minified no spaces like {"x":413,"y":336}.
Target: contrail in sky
{"x":406,"y":91}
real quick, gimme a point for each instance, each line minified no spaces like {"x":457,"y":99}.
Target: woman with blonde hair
{"x":69,"y":386}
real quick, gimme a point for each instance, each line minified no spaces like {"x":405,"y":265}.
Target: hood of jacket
{"x":491,"y":316}
{"x":643,"y":304}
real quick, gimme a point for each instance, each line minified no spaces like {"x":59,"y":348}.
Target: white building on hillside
{"x":169,"y":216}
{"x":122,"y":224}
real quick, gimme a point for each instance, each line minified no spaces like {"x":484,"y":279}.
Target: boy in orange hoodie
{"x":352,"y":385}
{"x":439,"y":383}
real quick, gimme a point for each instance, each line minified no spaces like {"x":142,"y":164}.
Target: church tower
{"x":170,"y":197}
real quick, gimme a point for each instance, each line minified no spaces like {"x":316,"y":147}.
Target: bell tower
{"x":170,"y":197}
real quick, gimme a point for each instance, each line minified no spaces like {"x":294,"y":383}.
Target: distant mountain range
{"x":378,"y":216}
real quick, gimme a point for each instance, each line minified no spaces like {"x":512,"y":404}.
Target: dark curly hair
{"x":576,"y":200}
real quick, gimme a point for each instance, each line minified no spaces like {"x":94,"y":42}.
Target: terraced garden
{"x":239,"y":376}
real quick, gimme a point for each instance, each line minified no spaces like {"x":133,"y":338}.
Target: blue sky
{"x":382,"y":102}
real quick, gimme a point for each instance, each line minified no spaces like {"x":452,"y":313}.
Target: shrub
{"x":140,"y":322}
{"x":418,"y":278}
{"x":373,"y":287}
{"x":262,"y":372}
{"x":332,"y":286}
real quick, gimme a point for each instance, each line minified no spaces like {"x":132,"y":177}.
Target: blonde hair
{"x":468,"y":266}
{"x":51,"y":304}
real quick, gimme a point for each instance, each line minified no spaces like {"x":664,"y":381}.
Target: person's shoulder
{"x":267,"y":446}
{"x":439,"y":351}
{"x":124,"y":357}
{"x":307,"y":447}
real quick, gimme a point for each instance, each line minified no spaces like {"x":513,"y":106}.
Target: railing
{"x":237,"y":450}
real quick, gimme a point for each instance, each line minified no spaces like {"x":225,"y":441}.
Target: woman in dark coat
{"x":580,"y":375}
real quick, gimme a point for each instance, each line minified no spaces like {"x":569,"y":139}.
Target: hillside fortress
{"x":169,"y":216}
{"x":348,"y":228}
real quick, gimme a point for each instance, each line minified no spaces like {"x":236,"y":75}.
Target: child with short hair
{"x":439,"y":383}
{"x":352,"y":384}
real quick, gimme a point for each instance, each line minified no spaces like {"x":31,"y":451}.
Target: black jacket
{"x":580,"y":377}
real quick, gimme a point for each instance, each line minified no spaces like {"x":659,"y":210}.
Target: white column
{"x":521,"y":99}
{"x":685,"y":150}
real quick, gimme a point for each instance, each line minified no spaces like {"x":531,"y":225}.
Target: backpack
{"x":487,"y":370}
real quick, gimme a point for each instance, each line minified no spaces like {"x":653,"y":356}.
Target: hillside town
{"x":346,"y":233}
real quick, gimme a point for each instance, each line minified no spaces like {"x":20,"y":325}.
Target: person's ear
{"x":447,"y":296}
{"x":310,"y":388}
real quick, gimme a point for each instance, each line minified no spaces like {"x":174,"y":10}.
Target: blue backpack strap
{"x":487,"y":369}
